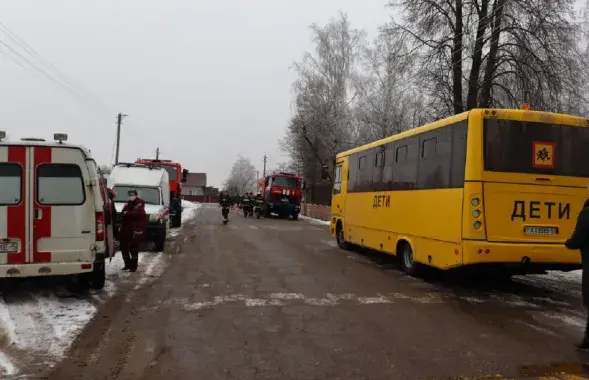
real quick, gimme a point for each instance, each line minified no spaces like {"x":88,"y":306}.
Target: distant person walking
{"x":133,"y":226}
{"x":580,"y":240}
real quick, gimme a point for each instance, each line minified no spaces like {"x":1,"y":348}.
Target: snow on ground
{"x":189,"y":210}
{"x":315,"y":221}
{"x":40,"y":324}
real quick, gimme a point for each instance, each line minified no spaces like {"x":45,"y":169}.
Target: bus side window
{"x":353,"y":173}
{"x":337,"y":182}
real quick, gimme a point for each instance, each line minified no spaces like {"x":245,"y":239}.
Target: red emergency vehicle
{"x":282,"y":194}
{"x":177,"y":176}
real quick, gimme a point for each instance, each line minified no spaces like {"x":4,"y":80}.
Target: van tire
{"x":98,"y":275}
{"x":295,"y":216}
{"x":93,"y":280}
{"x":407,"y":261}
{"x":176,"y":220}
{"x":160,"y":241}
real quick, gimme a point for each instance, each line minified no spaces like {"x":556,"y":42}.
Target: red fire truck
{"x":282,"y":194}
{"x":177,"y":177}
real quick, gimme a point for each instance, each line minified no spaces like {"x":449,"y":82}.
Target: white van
{"x":52,"y":211}
{"x":153,"y":186}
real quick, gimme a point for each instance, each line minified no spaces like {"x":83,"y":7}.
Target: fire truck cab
{"x":282,"y":194}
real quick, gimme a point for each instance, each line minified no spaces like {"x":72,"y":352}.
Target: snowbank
{"x":189,"y":210}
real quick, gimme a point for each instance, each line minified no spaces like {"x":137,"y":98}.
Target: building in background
{"x":195,"y":185}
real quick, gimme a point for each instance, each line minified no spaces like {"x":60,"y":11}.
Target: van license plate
{"x":10,"y":247}
{"x":541,"y":230}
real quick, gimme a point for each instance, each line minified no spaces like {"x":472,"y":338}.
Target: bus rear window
{"x":285,"y":182}
{"x":535,"y":148}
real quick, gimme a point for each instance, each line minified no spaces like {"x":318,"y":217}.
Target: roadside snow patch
{"x":315,"y":221}
{"x":6,"y":365}
{"x":189,"y":210}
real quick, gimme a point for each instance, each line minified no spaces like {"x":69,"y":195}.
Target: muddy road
{"x":275,"y":299}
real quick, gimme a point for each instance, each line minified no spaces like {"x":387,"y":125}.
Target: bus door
{"x":340,"y":183}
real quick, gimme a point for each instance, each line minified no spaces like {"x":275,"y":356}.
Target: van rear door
{"x":13,"y":205}
{"x":63,"y":212}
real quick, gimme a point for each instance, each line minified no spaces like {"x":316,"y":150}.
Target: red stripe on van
{"x":17,"y":215}
{"x":42,"y":227}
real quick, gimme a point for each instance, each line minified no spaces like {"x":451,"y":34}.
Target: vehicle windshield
{"x":172,"y":172}
{"x":150,"y":195}
{"x":536,"y":148}
{"x":285,"y":182}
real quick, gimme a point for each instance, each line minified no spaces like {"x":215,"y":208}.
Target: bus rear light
{"x":475,"y":202}
{"x":476,"y":213}
{"x":477,"y":225}
{"x":487,"y":251}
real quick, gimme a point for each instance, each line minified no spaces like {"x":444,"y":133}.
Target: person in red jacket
{"x":133,"y":226}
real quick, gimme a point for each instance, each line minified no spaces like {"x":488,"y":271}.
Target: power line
{"x":49,"y":71}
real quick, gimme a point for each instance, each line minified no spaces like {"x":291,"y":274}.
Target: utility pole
{"x":157,"y":153}
{"x":265,"y":159}
{"x":120,"y":117}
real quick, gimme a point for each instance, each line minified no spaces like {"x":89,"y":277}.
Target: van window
{"x":150,"y":195}
{"x":60,"y":185}
{"x":11,"y":184}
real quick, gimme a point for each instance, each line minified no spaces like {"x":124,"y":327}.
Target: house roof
{"x":196,"y":179}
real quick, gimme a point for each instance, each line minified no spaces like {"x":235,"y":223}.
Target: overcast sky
{"x":205,"y":80}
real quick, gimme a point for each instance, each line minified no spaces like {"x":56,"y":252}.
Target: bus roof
{"x":511,"y":114}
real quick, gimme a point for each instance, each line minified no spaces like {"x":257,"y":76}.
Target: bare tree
{"x":242,"y":177}
{"x":324,"y":92}
{"x":496,"y":53}
{"x":388,"y":101}
{"x":105,"y":169}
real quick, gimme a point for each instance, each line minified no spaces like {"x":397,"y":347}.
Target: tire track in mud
{"x":105,"y":344}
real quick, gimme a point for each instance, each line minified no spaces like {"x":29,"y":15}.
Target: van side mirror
{"x":304,"y":185}
{"x":324,"y":172}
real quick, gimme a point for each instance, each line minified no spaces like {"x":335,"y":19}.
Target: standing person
{"x":113,"y":214}
{"x":580,"y":240}
{"x":133,"y":226}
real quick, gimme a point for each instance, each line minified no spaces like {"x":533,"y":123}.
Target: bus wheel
{"x":340,"y":237}
{"x":408,"y":263}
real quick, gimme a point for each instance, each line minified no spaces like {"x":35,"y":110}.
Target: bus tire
{"x":408,"y":263}
{"x":340,"y":236}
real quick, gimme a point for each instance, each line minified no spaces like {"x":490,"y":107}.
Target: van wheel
{"x":408,"y":263}
{"x":295,"y":216}
{"x":160,"y":241}
{"x":340,"y":237}
{"x":95,"y":279}
{"x":176,"y":220}
{"x":98,"y":275}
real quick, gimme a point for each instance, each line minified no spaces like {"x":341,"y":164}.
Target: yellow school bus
{"x":499,"y":188}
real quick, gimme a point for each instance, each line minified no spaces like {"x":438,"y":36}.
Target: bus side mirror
{"x":324,"y":172}
{"x":184,"y":175}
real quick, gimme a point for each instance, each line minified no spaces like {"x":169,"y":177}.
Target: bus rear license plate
{"x":541,"y":231}
{"x":10,"y":247}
